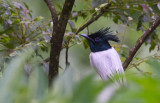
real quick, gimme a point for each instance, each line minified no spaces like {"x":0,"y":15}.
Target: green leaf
{"x":38,"y":18}
{"x":5,"y":39}
{"x":26,"y":5}
{"x":154,"y":64}
{"x":12,"y":76}
{"x":13,"y":13}
{"x":38,"y":84}
{"x":115,"y":19}
{"x":59,"y":6}
{"x":153,"y":45}
{"x":85,"y":43}
{"x":140,"y":21}
{"x":30,"y":15}
{"x":17,"y":21}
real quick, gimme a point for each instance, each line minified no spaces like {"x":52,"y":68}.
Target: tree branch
{"x":94,"y":18}
{"x":57,"y":38}
{"x":67,"y":62}
{"x":102,"y":11}
{"x":140,"y":42}
{"x":53,"y":11}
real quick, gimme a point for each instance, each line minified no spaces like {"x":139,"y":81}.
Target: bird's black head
{"x":98,"y":41}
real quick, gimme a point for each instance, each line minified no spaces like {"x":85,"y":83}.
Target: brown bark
{"x":57,"y":38}
{"x":53,"y":11}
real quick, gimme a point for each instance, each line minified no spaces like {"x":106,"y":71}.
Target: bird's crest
{"x":105,"y":34}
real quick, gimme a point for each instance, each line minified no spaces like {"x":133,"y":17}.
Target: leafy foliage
{"x":19,"y":29}
{"x":17,"y":87}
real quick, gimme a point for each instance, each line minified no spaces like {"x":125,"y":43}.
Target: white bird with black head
{"x":104,"y":57}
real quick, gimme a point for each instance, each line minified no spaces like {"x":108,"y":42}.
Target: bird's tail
{"x":119,"y":80}
{"x":107,"y":93}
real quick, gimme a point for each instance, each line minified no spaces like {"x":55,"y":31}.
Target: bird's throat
{"x":99,"y":46}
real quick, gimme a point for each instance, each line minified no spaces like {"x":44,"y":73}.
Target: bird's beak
{"x":87,"y":37}
{"x":84,"y":35}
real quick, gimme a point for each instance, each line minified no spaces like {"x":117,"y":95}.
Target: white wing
{"x":107,"y":63}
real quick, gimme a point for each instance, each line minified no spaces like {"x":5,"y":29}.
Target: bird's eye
{"x":97,"y":39}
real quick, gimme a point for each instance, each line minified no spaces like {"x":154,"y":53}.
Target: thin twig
{"x":66,"y":55}
{"x":122,"y":41}
{"x":94,"y":18}
{"x":140,"y":42}
{"x":138,"y":62}
{"x":67,"y":62}
{"x":137,"y":68}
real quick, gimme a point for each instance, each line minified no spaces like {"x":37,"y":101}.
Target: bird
{"x":103,"y":57}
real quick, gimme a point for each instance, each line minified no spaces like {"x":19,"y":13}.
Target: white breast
{"x":107,"y":63}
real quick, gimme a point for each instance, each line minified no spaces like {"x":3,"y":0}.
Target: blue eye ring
{"x":97,"y":39}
